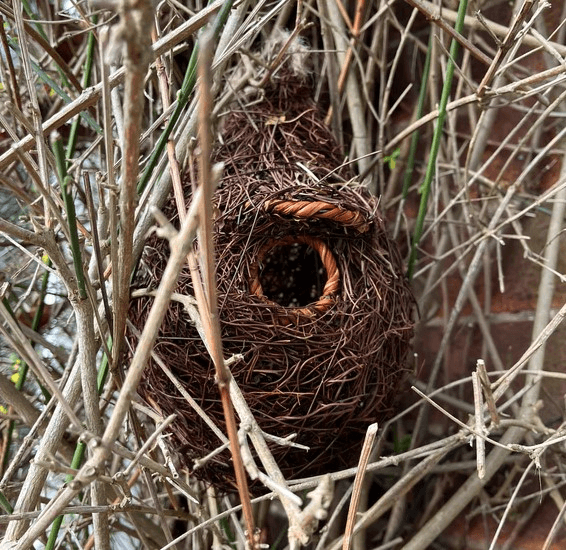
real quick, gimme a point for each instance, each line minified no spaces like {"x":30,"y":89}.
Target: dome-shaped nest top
{"x":310,"y":293}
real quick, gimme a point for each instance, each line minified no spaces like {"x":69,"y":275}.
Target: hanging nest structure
{"x":311,"y":295}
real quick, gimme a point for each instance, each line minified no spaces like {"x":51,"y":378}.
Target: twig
{"x":356,"y":491}
{"x":400,"y":488}
{"x":453,"y":33}
{"x":92,"y":95}
{"x":479,"y":425}
{"x":180,"y":244}
{"x":487,"y":392}
{"x":507,"y":43}
{"x":133,"y":26}
{"x":361,"y":139}
{"x":431,"y":165}
{"x":209,"y":309}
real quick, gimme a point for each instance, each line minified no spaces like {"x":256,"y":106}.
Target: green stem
{"x":427,"y":184}
{"x":408,"y":176}
{"x":56,"y":525}
{"x":78,"y":454}
{"x":89,"y":61}
{"x":182,"y":99}
{"x":5,"y":503}
{"x":61,"y":161}
{"x":23,"y":370}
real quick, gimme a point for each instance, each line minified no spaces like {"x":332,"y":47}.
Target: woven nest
{"x":311,"y":294}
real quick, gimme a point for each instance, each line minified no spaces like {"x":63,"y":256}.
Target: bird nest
{"x":311,"y":296}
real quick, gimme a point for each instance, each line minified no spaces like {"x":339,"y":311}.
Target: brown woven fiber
{"x":311,"y":294}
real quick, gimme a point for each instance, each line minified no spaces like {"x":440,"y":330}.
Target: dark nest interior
{"x":311,"y":294}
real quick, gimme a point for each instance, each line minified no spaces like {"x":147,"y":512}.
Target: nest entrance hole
{"x":296,"y":272}
{"x":292,"y":275}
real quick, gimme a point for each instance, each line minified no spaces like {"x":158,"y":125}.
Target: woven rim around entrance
{"x":328,"y":261}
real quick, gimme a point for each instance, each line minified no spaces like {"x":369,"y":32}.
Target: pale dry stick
{"x":44,"y":46}
{"x":14,"y":397}
{"x":553,"y":491}
{"x":541,"y":332}
{"x":505,"y":46}
{"x":125,"y":486}
{"x":9,"y":395}
{"x":433,"y":15}
{"x":416,"y":454}
{"x":333,"y":524}
{"x":209,"y":307}
{"x":91,"y":95}
{"x":299,"y":530}
{"x":84,"y":313}
{"x":316,"y":510}
{"x":211,"y":522}
{"x":110,"y":177}
{"x":554,"y":530}
{"x":21,"y":344}
{"x":512,"y":88}
{"x":372,"y":78}
{"x":32,"y":91}
{"x":465,"y":429}
{"x":52,"y":202}
{"x":155,"y":468}
{"x":248,"y":31}
{"x":213,"y":512}
{"x":509,"y":506}
{"x":355,"y":31}
{"x":479,"y":425}
{"x":547,"y":285}
{"x":96,"y":265}
{"x":173,"y":164}
{"x":401,"y":487}
{"x":452,"y":224}
{"x":300,"y":25}
{"x":234,"y":25}
{"x":476,"y":260}
{"x":423,"y":413}
{"x":487,"y":117}
{"x":541,"y":199}
{"x":471,"y":487}
{"x":180,"y":244}
{"x":459,"y":262}
{"x":175,"y":175}
{"x":498,"y":30}
{"x":332,"y":69}
{"x":10,"y":82}
{"x":149,"y":443}
{"x":58,"y":353}
{"x":488,"y":394}
{"x":156,"y":193}
{"x":84,"y":510}
{"x":554,"y":190}
{"x":385,"y":110}
{"x":544,"y":43}
{"x":50,"y":442}
{"x":255,"y":473}
{"x":135,"y":20}
{"x":454,"y":402}
{"x":357,"y":487}
{"x":556,"y":103}
{"x":361,"y":141}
